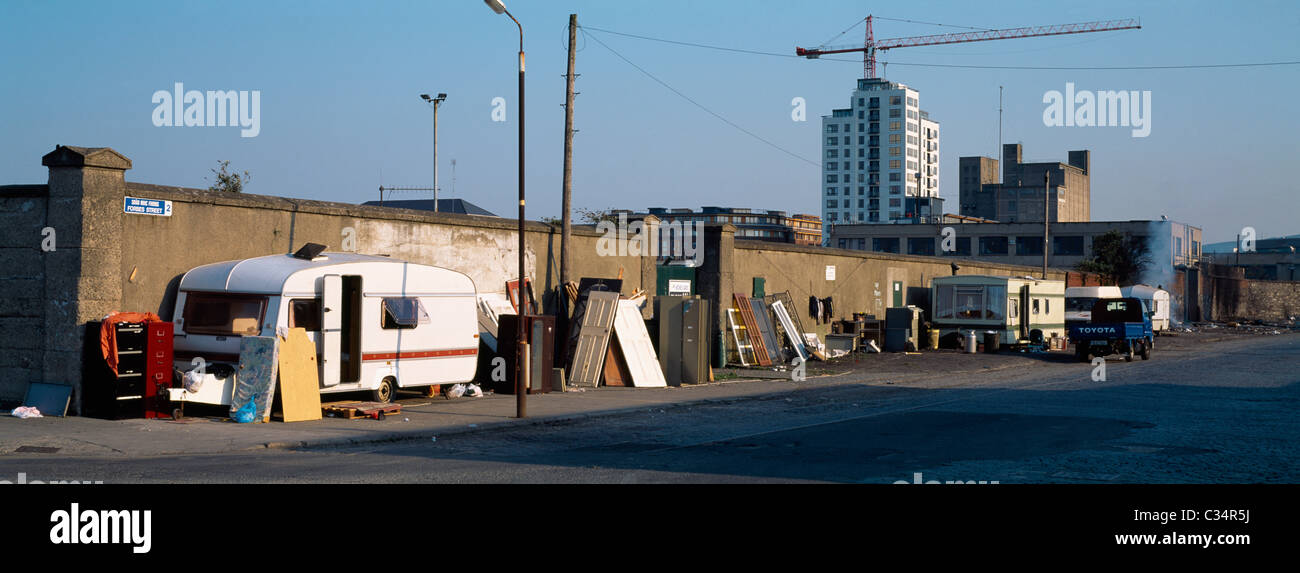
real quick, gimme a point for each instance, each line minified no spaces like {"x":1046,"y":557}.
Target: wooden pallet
{"x":354,"y":410}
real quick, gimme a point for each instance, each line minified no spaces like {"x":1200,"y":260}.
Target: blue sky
{"x":340,"y":112}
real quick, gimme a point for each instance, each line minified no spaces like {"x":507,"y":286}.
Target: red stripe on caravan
{"x":410,"y":354}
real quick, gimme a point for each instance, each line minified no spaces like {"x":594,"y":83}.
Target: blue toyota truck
{"x":1118,"y":326}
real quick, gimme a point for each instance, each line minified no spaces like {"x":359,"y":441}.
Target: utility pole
{"x":1047,"y":206}
{"x":566,"y":228}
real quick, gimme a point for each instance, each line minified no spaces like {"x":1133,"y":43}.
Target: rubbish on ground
{"x":246,"y":413}
{"x":354,"y":410}
{"x":48,"y":399}
{"x":456,"y":391}
{"x":193,"y":380}
{"x":872,"y":345}
{"x":25,"y":412}
{"x":473,"y":391}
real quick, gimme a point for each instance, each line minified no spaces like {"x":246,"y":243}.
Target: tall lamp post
{"x":521,"y":355}
{"x":435,"y":102}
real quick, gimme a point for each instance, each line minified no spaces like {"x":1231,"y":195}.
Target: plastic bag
{"x":456,"y":391}
{"x":473,"y":391}
{"x":248,"y":412}
{"x":193,"y":380}
{"x":26,"y":412}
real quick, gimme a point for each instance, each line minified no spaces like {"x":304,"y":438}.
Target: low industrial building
{"x":1174,"y":247}
{"x":751,"y":224}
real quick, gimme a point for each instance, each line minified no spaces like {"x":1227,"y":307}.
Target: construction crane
{"x":871,"y":46}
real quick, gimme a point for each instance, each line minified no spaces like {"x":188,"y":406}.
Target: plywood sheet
{"x":637,"y":351}
{"x":299,"y":382}
{"x":615,"y":371}
{"x":255,"y":380}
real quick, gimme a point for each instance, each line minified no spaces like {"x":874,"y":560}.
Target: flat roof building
{"x":1018,"y":194}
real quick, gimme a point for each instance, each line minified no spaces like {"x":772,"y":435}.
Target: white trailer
{"x":379,"y":324}
{"x":1020,"y":309}
{"x":1079,"y":301}
{"x":1157,"y":301}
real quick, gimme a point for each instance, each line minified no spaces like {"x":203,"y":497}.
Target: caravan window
{"x":305,"y":313}
{"x":997,"y":298}
{"x":223,"y":314}
{"x":403,"y":313}
{"x":943,"y":302}
{"x":970,"y":302}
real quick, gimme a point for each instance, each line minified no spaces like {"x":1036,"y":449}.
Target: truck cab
{"x":1117,"y":326}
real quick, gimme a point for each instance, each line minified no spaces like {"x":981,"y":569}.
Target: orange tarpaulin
{"x":108,"y":334}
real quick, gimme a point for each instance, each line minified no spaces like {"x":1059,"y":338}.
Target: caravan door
{"x":331,"y":330}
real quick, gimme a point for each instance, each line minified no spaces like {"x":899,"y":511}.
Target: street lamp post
{"x":435,"y":102}
{"x":521,"y":388}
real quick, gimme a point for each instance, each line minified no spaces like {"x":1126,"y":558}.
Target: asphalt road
{"x":1211,"y":413}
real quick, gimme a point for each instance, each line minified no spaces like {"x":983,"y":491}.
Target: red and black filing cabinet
{"x":144,"y":372}
{"x":539,"y":331}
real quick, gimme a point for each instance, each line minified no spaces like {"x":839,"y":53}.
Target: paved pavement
{"x":1202,"y":410}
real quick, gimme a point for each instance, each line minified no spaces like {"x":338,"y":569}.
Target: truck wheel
{"x":1081,"y":352}
{"x":1146,"y":350}
{"x":385,"y":392}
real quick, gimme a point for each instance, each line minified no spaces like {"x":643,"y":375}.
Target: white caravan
{"x":1157,"y":301}
{"x":378,"y":323}
{"x":1079,"y":301}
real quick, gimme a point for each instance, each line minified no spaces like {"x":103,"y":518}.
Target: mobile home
{"x":1020,"y":309}
{"x":1157,"y":301}
{"x":1079,"y":301}
{"x":378,"y":324}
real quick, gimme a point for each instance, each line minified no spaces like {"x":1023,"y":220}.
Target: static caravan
{"x":1157,"y":301}
{"x":1020,"y":309}
{"x":1079,"y":301}
{"x":378,"y":324}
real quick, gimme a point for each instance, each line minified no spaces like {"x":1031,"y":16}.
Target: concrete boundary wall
{"x":107,"y":260}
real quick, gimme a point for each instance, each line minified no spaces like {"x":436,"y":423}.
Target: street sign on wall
{"x":140,"y":206}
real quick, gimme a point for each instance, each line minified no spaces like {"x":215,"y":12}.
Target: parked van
{"x":1079,"y":301}
{"x":1157,"y":301}
{"x":378,"y":324}
{"x":1019,"y":309}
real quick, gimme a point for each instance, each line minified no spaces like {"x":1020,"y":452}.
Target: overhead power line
{"x":583,"y":29}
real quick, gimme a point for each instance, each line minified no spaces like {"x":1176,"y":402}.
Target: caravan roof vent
{"x":310,"y":252}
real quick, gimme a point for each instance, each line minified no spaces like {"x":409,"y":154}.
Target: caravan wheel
{"x":385,"y":392}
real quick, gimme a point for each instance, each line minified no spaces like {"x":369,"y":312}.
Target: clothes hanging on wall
{"x":827,"y":310}
{"x":815,"y":309}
